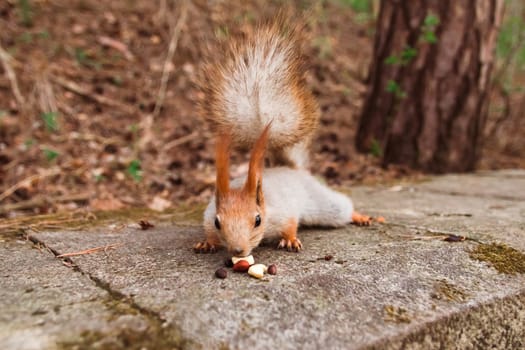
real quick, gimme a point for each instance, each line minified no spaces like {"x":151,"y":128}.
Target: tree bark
{"x":427,"y":98}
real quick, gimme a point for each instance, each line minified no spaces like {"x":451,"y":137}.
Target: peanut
{"x":241,"y":266}
{"x":257,"y":270}
{"x":249,"y":259}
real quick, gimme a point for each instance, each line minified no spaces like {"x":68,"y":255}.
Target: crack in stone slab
{"x":159,"y":333}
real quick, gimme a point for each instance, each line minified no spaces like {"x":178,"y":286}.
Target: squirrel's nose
{"x":237,"y":250}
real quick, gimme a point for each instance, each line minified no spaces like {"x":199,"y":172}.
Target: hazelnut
{"x":272,"y":269}
{"x":241,"y":266}
{"x":221,"y":273}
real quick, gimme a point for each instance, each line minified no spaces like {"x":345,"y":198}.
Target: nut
{"x":228,"y":262}
{"x":272,"y":269}
{"x":241,"y":266}
{"x":328,"y":257}
{"x":257,"y":270}
{"x":249,"y":259}
{"x":221,"y":273}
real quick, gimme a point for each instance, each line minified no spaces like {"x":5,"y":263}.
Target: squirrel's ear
{"x":254,"y":180}
{"x":222,"y":163}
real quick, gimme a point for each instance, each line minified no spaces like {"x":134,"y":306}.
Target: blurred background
{"x":98,"y":98}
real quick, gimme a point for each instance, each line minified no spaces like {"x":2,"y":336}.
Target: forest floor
{"x":85,"y":122}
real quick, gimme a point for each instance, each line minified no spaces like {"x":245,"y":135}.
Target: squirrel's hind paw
{"x":360,"y":219}
{"x":294,"y":245}
{"x":205,"y":247}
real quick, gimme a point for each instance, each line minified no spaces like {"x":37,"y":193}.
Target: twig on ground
{"x":27,"y":181}
{"x":11,"y":75}
{"x":169,"y":57}
{"x":43,"y":200}
{"x":73,"y":87}
{"x":46,"y":96}
{"x":91,"y":250}
{"x":180,"y":141}
{"x":117,"y":45}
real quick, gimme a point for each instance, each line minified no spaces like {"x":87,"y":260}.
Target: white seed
{"x":257,"y":270}
{"x":249,"y":259}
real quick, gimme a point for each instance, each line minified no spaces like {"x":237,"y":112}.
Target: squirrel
{"x":259,"y":98}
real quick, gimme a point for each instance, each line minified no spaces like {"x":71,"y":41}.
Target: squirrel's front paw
{"x":205,"y":247}
{"x":360,"y":219}
{"x":293,"y":245}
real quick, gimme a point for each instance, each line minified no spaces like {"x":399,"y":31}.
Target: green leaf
{"x":431,"y":20}
{"x":26,"y":14}
{"x":50,"y":120}
{"x":134,"y":170}
{"x":28,"y":143}
{"x":358,"y":6}
{"x":392,"y":60}
{"x":50,"y":154}
{"x":429,"y":37}
{"x":408,"y":54}
{"x":375,"y":149}
{"x":392,"y":86}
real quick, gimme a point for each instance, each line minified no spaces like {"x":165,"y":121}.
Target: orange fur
{"x":222,"y":161}
{"x":360,"y":219}
{"x":289,"y":238}
{"x":254,"y":179}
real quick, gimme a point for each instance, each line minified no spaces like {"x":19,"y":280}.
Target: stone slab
{"x":392,"y":286}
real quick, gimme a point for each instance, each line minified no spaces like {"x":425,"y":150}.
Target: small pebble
{"x":241,"y":266}
{"x":257,"y":270}
{"x":221,"y":273}
{"x":249,"y":259}
{"x":272,"y":269}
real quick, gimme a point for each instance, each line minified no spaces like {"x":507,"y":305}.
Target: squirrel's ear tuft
{"x":253,"y":182}
{"x":222,"y":163}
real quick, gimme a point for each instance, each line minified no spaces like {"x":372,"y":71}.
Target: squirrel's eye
{"x":257,"y":220}
{"x":217,"y":223}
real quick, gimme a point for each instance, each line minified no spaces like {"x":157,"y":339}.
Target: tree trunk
{"x":428,"y":83}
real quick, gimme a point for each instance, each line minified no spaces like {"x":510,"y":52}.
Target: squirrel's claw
{"x":204,"y":247}
{"x":294,"y":245}
{"x":360,"y":219}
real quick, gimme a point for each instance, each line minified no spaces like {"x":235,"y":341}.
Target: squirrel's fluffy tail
{"x":261,"y":78}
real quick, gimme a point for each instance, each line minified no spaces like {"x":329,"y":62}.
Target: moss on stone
{"x":503,"y":258}
{"x":396,"y":314}
{"x":444,"y":290}
{"x":181,"y":215}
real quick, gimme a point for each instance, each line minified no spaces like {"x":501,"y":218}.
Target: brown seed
{"x":241,"y":266}
{"x":221,"y":273}
{"x":454,"y":238}
{"x":145,"y":224}
{"x":328,"y":257}
{"x":228,"y":262}
{"x":272,"y":269}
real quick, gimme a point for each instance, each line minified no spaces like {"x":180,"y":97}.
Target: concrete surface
{"x":391,"y":286}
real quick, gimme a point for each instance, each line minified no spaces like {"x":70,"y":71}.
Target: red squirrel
{"x":259,"y":99}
